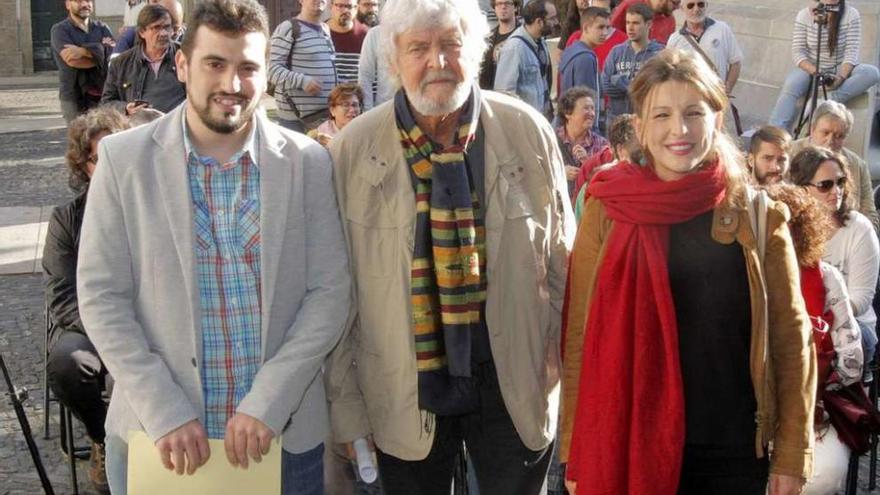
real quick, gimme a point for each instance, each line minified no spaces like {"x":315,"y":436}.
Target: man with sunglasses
{"x":711,"y":39}
{"x":145,"y":75}
{"x":663,"y":24}
{"x":348,"y":38}
{"x":831,"y":125}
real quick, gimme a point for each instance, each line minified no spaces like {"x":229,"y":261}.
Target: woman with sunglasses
{"x":678,"y":370}
{"x":838,"y":58}
{"x":853,"y":248}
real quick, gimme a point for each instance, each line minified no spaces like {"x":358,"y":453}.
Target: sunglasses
{"x":826,"y":185}
{"x":689,"y":6}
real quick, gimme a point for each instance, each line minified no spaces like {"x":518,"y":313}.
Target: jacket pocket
{"x":374,"y":237}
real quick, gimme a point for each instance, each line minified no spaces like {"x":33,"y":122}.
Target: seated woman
{"x":577,"y":140}
{"x":345,"y":103}
{"x":853,"y":248}
{"x":836,"y":335}
{"x":838,"y":56}
{"x":674,"y":381}
{"x":75,"y":372}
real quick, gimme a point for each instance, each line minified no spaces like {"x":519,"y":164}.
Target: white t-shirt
{"x":855,"y":252}
{"x":717,"y":41}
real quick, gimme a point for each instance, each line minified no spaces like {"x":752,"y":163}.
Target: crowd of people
{"x":426,"y":251}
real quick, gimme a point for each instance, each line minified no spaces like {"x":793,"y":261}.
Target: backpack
{"x":295,"y":29}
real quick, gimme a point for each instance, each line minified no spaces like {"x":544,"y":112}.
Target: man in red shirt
{"x":663,"y":24}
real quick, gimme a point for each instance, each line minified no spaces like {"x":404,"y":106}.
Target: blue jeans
{"x":797,"y":83}
{"x":301,"y":474}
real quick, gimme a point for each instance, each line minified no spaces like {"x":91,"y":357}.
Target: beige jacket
{"x":862,"y":194}
{"x":371,"y":376}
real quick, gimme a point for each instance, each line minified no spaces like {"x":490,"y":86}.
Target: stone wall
{"x":16,"y":57}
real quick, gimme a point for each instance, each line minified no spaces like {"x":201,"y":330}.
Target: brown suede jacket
{"x":783,"y":362}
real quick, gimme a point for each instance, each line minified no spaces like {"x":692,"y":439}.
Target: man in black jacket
{"x":145,"y":75}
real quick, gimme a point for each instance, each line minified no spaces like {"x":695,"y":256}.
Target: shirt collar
{"x":251,"y":145}
{"x":82,"y":26}
{"x":148,"y":59}
{"x":706,"y":24}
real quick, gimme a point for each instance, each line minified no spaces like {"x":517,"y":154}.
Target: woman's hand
{"x":571,"y":173}
{"x":781,"y":484}
{"x":571,"y":486}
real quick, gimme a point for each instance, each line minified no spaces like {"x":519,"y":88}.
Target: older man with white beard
{"x":453,"y":203}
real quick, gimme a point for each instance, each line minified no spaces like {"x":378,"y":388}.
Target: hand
{"x":349,"y":448}
{"x":781,"y":484}
{"x":74,"y":51}
{"x":187,"y":445}
{"x":323,"y":139}
{"x":132,"y":107}
{"x":838,"y":81}
{"x":571,"y":486}
{"x":313,"y":88}
{"x":571,"y":173}
{"x":108,"y":41}
{"x":246,"y":435}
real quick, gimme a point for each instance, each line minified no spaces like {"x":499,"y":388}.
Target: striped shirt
{"x":312,"y":59}
{"x":348,"y":51}
{"x":804,"y":40}
{"x":226,"y":218}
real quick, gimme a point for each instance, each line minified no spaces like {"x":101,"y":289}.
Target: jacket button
{"x":193,"y":361}
{"x":726,"y":220}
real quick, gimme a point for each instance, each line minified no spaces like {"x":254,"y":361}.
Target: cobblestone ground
{"x":32,"y":174}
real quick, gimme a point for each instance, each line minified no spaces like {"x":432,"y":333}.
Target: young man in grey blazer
{"x":214,"y":276}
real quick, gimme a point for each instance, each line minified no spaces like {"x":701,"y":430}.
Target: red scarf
{"x":628,"y":435}
{"x":813,"y":290}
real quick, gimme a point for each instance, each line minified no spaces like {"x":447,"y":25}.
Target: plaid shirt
{"x":226,"y":212}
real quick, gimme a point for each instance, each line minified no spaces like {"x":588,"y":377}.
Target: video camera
{"x":821,"y":11}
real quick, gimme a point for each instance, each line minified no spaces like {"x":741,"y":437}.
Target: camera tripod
{"x":817,"y":79}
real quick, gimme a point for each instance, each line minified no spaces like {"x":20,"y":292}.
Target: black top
{"x":74,"y":84}
{"x":490,"y":58}
{"x":710,"y":289}
{"x":59,"y":268}
{"x":132,"y":78}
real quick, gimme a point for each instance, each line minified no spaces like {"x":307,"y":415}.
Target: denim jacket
{"x":519,"y":70}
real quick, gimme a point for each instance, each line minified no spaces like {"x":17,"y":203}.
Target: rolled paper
{"x":366,"y":467}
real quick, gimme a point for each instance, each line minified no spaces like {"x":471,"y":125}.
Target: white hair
{"x":834,"y":109}
{"x":400,"y":16}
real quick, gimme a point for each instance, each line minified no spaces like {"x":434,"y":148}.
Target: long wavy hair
{"x":810,"y":224}
{"x":680,"y":66}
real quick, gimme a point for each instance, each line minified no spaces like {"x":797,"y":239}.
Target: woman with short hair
{"x":345,"y":102}
{"x":577,"y":139}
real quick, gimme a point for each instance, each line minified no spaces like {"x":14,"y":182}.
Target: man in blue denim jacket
{"x":524,"y":62}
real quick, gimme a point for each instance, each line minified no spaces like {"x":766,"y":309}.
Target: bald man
{"x":129,"y":34}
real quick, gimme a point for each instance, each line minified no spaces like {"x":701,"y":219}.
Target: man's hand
{"x":246,"y":435}
{"x":781,"y":484}
{"x":571,"y":173}
{"x":108,"y":41}
{"x":312,"y":88}
{"x":349,"y":448}
{"x":185,"y":446}
{"x":134,"y":107}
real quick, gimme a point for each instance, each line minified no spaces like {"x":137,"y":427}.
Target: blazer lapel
{"x":276,"y":188}
{"x":173,"y":181}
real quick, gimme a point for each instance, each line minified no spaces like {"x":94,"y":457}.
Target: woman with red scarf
{"x":679,"y":370}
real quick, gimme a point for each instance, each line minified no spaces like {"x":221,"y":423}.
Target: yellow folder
{"x":147,"y":475}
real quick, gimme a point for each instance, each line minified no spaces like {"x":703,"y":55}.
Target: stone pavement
{"x":32,"y":180}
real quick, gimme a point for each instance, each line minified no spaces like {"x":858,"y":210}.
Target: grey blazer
{"x":138,"y":292}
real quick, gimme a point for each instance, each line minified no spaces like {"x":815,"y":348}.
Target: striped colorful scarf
{"x":448,"y":272}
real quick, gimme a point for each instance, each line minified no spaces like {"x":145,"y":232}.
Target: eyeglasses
{"x":344,"y":6}
{"x":826,"y":185}
{"x":350,"y":106}
{"x":689,"y":6}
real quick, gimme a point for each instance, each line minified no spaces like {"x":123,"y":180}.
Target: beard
{"x":228,"y":122}
{"x":439,"y":106}
{"x":370,"y":19}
